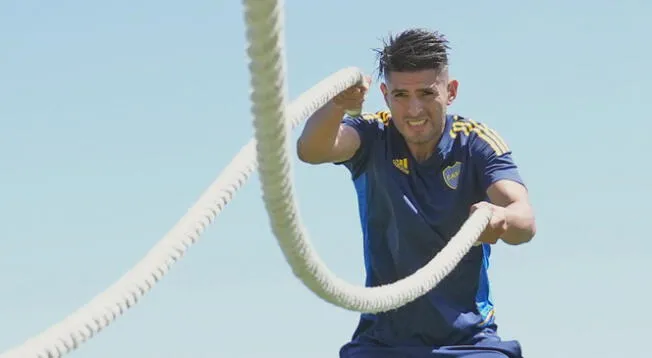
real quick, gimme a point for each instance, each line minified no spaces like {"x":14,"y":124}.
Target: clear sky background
{"x":116,"y":115}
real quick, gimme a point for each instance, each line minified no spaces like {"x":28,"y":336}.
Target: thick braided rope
{"x":106,"y":307}
{"x":102,"y":310}
{"x":267,"y":66}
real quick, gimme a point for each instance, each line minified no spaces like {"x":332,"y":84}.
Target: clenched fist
{"x":351,"y":99}
{"x":497,"y":225}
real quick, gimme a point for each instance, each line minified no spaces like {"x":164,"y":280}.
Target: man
{"x":419,"y":172}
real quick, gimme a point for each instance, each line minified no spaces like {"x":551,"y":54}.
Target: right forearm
{"x":317,"y":141}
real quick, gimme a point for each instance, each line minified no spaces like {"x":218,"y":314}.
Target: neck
{"x":422,"y":151}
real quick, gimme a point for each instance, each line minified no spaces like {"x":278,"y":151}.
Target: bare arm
{"x":512,"y":217}
{"x":520,"y":226}
{"x":324,"y":138}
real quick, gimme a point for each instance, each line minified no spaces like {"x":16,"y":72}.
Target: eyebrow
{"x":431,"y":88}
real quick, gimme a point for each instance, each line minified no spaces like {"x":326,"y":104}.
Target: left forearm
{"x":521,"y":226}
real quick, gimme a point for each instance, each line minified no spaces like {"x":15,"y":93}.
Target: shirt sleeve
{"x":369,"y":127}
{"x":493,"y":158}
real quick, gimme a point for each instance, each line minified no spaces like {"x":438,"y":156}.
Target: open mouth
{"x":416,"y":123}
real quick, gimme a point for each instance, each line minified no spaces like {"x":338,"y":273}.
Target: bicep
{"x":505,"y":192}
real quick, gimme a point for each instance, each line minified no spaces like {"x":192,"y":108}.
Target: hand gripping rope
{"x":270,"y":148}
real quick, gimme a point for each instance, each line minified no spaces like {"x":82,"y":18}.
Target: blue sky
{"x":115,"y":116}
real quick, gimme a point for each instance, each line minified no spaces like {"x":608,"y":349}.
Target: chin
{"x":419,"y":140}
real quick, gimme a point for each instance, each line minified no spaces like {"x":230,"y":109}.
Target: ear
{"x":384,"y":90}
{"x":452,"y":90}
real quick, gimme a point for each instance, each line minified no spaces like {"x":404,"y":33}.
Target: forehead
{"x":416,"y":80}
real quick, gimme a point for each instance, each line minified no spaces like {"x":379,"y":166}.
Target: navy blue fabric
{"x":408,"y":213}
{"x":482,"y":347}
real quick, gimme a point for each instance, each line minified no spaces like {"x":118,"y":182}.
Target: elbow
{"x":523,"y":232}
{"x":306,"y":154}
{"x":307,"y":158}
{"x":530,"y":229}
{"x":528,"y":232}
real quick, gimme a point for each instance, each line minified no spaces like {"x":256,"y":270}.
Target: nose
{"x":414,"y":107}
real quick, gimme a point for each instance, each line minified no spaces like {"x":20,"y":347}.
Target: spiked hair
{"x":412,"y":50}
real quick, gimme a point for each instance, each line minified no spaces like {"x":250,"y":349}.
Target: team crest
{"x":451,"y":175}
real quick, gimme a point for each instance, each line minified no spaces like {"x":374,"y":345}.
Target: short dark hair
{"x":412,"y":50}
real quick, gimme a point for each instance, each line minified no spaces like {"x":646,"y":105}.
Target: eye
{"x":400,"y":95}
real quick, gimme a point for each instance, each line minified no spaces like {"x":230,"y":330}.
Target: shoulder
{"x":379,"y":119}
{"x":371,"y":132}
{"x":477,"y":136}
{"x":370,"y":126}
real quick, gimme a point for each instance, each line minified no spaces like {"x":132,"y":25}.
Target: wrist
{"x":353,"y":112}
{"x":335,"y":107}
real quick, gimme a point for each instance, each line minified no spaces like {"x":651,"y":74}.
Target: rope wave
{"x":268,"y":153}
{"x":267,"y":67}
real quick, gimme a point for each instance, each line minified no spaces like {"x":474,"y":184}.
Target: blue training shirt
{"x":409,"y":211}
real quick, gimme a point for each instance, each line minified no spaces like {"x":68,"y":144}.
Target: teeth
{"x":416,"y":123}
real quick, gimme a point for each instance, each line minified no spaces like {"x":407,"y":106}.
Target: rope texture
{"x":267,"y":67}
{"x":106,"y":307}
{"x":270,"y":148}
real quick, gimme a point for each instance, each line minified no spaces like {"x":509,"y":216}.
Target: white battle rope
{"x":267,"y":54}
{"x":265,"y":35}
